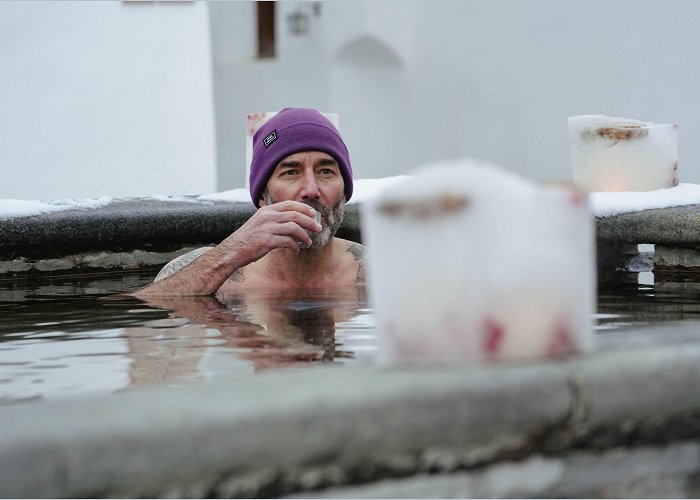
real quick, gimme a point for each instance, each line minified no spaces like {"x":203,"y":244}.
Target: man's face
{"x":313,"y":178}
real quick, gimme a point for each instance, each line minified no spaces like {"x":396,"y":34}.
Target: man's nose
{"x":309,"y":188}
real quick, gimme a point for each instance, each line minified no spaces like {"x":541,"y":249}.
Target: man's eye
{"x":326,"y":171}
{"x":289,"y":172}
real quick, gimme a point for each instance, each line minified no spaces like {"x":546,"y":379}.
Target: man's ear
{"x":261,"y":202}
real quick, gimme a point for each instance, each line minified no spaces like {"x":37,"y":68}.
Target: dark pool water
{"x":66,"y":336}
{"x":69,"y":336}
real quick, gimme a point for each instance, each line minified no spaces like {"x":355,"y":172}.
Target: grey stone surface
{"x":102,"y":259}
{"x":144,"y":443}
{"x":144,"y":221}
{"x":627,"y":395}
{"x":125,"y":233}
{"x":129,"y":223}
{"x":51,"y":241}
{"x":610,"y":384}
{"x":646,"y":472}
{"x":665,"y":226}
{"x":675,"y":231}
{"x":676,"y":256}
{"x":324,"y":427}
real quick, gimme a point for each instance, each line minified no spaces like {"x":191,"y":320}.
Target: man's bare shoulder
{"x":354,"y":257}
{"x":354,"y":249}
{"x":179,"y":262}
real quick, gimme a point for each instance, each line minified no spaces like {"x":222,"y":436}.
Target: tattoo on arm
{"x":361,"y":277}
{"x":237,"y":276}
{"x":179,"y":262}
{"x":358,"y":253}
{"x":357,"y":250}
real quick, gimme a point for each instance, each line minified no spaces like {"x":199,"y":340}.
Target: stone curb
{"x":135,"y":232}
{"x":238,"y":439}
{"x":125,"y":234}
{"x":664,"y":226}
{"x":142,"y":221}
{"x":643,"y":472}
{"x":124,"y":223}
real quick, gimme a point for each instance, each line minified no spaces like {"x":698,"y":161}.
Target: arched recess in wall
{"x":369,"y":90}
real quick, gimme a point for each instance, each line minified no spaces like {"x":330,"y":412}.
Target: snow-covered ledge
{"x":131,"y":233}
{"x":119,"y":233}
{"x":667,"y":218}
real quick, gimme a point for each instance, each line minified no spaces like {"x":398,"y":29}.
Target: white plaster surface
{"x":105,"y":99}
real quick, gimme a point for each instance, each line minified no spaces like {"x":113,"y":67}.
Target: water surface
{"x":65,"y":336}
{"x":68,"y":336}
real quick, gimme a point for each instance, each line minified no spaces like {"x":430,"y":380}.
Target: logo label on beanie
{"x":271,"y":137}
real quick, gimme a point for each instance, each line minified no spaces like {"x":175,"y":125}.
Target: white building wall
{"x":105,"y":98}
{"x":504,"y":76}
{"x":115,"y":98}
{"x":244,"y":84}
{"x":417,"y":81}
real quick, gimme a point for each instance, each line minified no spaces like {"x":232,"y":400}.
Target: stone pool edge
{"x":351,"y":427}
{"x":124,"y":235}
{"x":135,"y":233}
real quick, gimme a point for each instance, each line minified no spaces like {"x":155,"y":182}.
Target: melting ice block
{"x":617,"y":154}
{"x":469,"y":263}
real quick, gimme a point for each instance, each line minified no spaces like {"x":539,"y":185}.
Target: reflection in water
{"x":268,"y":328}
{"x":631,"y":304}
{"x":68,"y":336}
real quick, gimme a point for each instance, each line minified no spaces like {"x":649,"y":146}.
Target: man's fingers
{"x":283,"y":225}
{"x":297,"y":206}
{"x":287,"y":242}
{"x":284,"y":241}
{"x":294,"y":231}
{"x":302,"y":219}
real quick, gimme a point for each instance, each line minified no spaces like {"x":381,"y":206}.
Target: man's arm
{"x":281,"y":225}
{"x":179,"y":262}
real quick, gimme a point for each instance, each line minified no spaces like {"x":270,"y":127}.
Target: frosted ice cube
{"x":619,"y":154}
{"x":470,"y":262}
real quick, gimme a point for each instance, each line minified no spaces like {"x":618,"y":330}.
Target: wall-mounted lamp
{"x":299,"y":21}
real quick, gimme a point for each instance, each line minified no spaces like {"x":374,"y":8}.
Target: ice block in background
{"x":617,"y":154}
{"x":468,"y":262}
{"x":254,"y":122}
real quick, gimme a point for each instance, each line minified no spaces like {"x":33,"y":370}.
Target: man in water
{"x":300,"y":180}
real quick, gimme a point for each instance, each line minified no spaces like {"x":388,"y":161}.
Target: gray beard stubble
{"x":331,"y":219}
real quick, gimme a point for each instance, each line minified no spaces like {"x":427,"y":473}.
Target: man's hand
{"x":280,"y":225}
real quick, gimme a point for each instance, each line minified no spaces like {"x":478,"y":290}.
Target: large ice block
{"x":618,"y":154}
{"x":468,"y":262}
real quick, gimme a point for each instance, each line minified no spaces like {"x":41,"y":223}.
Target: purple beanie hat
{"x":290,"y":131}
